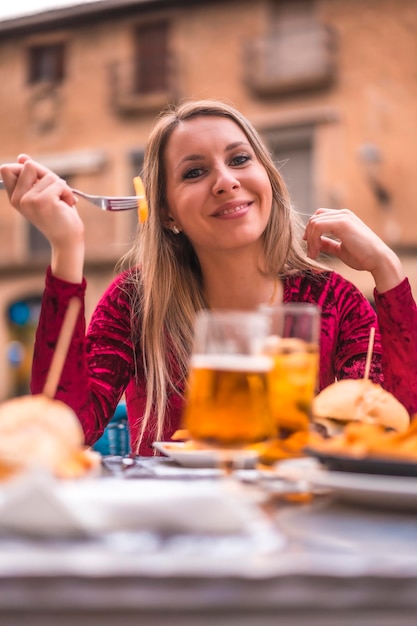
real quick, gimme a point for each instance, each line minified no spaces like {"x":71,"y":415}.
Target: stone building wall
{"x":359,"y":117}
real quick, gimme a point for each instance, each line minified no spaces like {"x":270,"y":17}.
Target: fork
{"x":106,"y":203}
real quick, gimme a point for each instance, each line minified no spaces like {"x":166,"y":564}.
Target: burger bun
{"x":358,"y":400}
{"x":38,"y":432}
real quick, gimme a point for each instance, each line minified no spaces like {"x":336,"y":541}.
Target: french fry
{"x":360,"y":439}
{"x":270,"y":452}
{"x":142,"y":203}
{"x":180,"y":435}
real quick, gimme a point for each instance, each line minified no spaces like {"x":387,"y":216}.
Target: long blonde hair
{"x":168,"y":281}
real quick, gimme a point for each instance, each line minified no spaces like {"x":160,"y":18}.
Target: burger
{"x":38,"y":432}
{"x":358,"y":400}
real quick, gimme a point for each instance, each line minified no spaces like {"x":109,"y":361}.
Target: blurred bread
{"x":359,"y":400}
{"x":36,"y":431}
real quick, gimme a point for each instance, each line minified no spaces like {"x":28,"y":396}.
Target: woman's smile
{"x":233,"y":209}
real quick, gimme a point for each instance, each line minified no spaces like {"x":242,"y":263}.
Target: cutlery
{"x":107,"y":203}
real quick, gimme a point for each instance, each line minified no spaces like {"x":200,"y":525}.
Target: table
{"x":360,"y":568}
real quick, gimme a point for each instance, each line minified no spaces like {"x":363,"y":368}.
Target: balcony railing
{"x":291,"y":61}
{"x":128,"y":96}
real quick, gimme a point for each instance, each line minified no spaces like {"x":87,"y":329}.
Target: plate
{"x":188,"y":457}
{"x":364,"y":465}
{"x":338,"y":527}
{"x":398,"y":492}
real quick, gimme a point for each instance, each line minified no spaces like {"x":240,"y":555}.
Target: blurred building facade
{"x":330,"y":85}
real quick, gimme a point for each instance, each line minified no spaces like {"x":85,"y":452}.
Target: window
{"x":151,"y":73}
{"x":296,"y":54}
{"x":38,"y":244}
{"x":292,"y":151}
{"x":46,"y":63}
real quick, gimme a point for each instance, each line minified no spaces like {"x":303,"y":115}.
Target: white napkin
{"x":40,"y":506}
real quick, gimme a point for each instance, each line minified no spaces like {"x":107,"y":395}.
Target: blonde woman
{"x":221,"y":233}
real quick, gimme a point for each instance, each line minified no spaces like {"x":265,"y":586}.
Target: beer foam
{"x":233,"y":362}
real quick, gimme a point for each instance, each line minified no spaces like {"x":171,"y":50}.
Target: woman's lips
{"x":232,"y":209}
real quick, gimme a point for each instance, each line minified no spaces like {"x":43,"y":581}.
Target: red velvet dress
{"x":100,"y":365}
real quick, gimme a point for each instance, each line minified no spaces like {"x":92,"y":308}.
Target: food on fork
{"x":142,"y":202}
{"x":358,"y":400}
{"x":38,"y":432}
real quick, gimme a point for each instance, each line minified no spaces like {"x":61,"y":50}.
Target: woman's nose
{"x":225,"y":181}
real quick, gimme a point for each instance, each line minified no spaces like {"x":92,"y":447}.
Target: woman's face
{"x":217,"y":191}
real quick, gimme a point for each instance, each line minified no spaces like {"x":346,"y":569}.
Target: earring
{"x":175,"y":230}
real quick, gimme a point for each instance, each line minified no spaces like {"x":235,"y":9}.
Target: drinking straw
{"x":369,"y":353}
{"x":61,"y":349}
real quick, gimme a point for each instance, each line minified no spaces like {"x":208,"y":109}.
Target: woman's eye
{"x":195,"y":172}
{"x":240,"y":159}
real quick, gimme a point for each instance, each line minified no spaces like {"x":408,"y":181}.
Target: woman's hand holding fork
{"x":47,"y":202}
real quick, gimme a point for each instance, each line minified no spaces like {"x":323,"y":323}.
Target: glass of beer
{"x":227,"y":404}
{"x":294,"y":347}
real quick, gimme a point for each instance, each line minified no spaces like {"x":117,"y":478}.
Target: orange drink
{"x":293,"y":345}
{"x":292,"y":383}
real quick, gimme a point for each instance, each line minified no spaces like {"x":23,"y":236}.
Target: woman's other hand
{"x":340,"y":233}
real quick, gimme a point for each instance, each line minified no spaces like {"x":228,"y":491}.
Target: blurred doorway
{"x":22,"y":317}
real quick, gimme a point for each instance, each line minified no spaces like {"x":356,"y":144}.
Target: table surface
{"x":340,"y":563}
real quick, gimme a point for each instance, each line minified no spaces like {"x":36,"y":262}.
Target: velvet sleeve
{"x":397,"y":315}
{"x":352,"y":318}
{"x":98,"y":366}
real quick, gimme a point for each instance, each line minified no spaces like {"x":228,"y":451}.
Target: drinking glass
{"x":294,"y":347}
{"x":227,"y":404}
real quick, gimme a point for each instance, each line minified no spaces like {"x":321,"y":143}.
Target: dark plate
{"x":365,"y":465}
